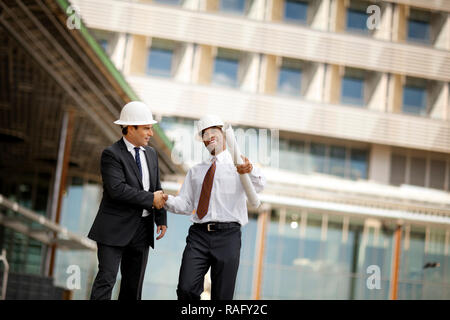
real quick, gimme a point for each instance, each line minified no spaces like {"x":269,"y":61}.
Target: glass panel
{"x":352,"y":91}
{"x":358,"y":164}
{"x":337,"y":161}
{"x":417,"y":171}
{"x":398,"y":170}
{"x":356,"y":20}
{"x":419,"y":26}
{"x":414,"y":100}
{"x":437,"y":174}
{"x":160,"y":61}
{"x":289,"y":81}
{"x":295,"y":11}
{"x":318,"y":152}
{"x":235,"y":6}
{"x":226,"y":68}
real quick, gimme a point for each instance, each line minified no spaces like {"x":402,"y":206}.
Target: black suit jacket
{"x":124,"y":198}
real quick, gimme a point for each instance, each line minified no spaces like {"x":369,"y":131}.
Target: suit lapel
{"x":131,"y":161}
{"x":149,"y":165}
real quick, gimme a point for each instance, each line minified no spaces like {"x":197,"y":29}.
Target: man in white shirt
{"x":212,"y":189}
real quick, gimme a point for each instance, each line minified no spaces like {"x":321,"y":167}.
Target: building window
{"x":307,"y":157}
{"x":226,"y":67}
{"x":290,"y":77}
{"x":233,"y":6}
{"x":414,"y":170}
{"x":160,"y":58}
{"x":296,"y":11}
{"x":358,"y":164}
{"x":318,"y":157}
{"x":353,"y":87}
{"x":357,"y":16}
{"x":415,"y":96}
{"x":417,"y":171}
{"x":337,"y":161}
{"x":398,"y":170}
{"x":437,"y":174}
{"x":419,"y":26}
{"x":171,"y":2}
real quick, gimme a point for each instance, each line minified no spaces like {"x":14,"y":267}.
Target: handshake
{"x":159,"y":199}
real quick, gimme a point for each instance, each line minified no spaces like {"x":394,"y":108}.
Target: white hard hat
{"x":135,"y":113}
{"x":206,"y":122}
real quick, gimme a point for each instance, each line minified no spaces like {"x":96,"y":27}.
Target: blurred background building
{"x":360,"y":116}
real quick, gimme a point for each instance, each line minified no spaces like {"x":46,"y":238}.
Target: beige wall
{"x":395,"y":93}
{"x":333,"y":76}
{"x":400,"y":22}
{"x":139,"y":52}
{"x":275,"y":10}
{"x":204,"y":64}
{"x":269,"y":74}
{"x":338,"y":15}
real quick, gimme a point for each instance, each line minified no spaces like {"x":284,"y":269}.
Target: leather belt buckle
{"x":208,"y":227}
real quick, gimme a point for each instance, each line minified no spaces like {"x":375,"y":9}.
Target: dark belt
{"x":216,"y":226}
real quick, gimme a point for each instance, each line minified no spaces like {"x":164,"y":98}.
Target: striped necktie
{"x":205,"y":194}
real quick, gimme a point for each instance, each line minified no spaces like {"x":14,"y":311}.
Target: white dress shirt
{"x":228,"y":199}
{"x":145,"y":173}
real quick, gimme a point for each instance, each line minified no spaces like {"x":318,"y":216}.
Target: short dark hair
{"x":125,"y":129}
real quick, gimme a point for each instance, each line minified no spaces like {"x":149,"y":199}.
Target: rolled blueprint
{"x":233,"y":147}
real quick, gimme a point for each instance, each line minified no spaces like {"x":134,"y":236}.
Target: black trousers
{"x":219,"y":250}
{"x":133,"y":261}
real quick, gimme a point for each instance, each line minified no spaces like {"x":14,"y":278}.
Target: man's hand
{"x":161,"y":230}
{"x":246,"y":167}
{"x":159,"y":199}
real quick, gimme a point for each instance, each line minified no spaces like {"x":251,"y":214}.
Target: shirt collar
{"x":224,"y":156}
{"x":130,"y":146}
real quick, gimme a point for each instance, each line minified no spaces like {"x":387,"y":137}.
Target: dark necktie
{"x":138,"y":159}
{"x":205,"y":195}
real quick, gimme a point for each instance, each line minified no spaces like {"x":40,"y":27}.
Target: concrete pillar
{"x":269,"y":74}
{"x":312,"y":82}
{"x":438,"y":100}
{"x":184,"y":56}
{"x":204,"y":64}
{"x":257,"y":10}
{"x":139,"y":55}
{"x":441,"y":30}
{"x":395,"y":97}
{"x":400,"y":23}
{"x":319,"y":13}
{"x":338,"y":15}
{"x":333,"y":79}
{"x":275,"y":10}
{"x":249,"y":72}
{"x":119,"y":51}
{"x":379,"y":163}
{"x":376,"y":88}
{"x":210,"y":5}
{"x":384,"y":30}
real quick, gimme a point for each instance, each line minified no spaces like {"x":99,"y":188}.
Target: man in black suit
{"x":132,"y":203}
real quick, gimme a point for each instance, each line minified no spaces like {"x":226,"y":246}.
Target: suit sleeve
{"x":160,"y":214}
{"x":116,"y":186}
